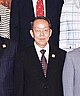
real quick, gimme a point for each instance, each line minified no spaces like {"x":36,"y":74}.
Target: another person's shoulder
{"x":74,"y":52}
{"x":73,"y":56}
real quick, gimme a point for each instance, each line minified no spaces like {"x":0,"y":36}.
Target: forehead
{"x":40,"y":23}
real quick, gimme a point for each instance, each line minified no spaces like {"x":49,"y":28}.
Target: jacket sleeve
{"x":68,"y":76}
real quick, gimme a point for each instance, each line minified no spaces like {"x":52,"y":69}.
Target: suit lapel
{"x":53,"y":60}
{"x":36,"y":62}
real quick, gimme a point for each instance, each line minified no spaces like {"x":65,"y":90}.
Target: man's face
{"x":41,"y":32}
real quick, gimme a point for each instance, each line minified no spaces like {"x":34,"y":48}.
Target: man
{"x":31,"y":76}
{"x":7,"y":53}
{"x":22,"y":13}
{"x":71,"y":72}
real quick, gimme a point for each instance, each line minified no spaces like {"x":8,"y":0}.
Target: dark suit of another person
{"x":7,"y":53}
{"x":22,"y":13}
{"x":29,"y":78}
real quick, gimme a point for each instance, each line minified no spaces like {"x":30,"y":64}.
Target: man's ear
{"x":31,"y":32}
{"x":50,"y":32}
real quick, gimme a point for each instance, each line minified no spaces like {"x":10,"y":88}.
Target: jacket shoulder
{"x":74,"y":52}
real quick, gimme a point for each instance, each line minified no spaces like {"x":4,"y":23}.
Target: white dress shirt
{"x":34,"y":6}
{"x":39,"y":53}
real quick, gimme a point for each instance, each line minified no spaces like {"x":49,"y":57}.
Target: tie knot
{"x":43,"y":51}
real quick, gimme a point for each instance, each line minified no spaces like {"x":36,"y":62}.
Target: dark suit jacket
{"x":7,"y":53}
{"x":22,"y":14}
{"x":29,"y":79}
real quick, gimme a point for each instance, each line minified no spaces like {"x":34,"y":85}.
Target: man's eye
{"x":46,"y":30}
{"x":37,"y":30}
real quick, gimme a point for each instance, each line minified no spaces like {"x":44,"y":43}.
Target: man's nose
{"x":42,"y":32}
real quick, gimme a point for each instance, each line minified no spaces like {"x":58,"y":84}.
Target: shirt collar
{"x":39,"y":53}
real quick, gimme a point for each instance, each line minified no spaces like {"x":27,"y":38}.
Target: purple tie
{"x":44,"y":62}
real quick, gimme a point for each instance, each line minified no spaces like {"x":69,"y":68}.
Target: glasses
{"x":39,"y":30}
